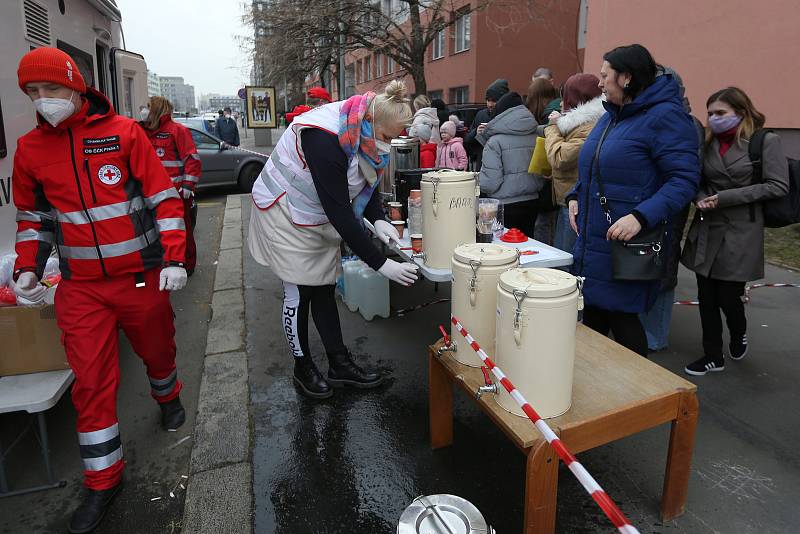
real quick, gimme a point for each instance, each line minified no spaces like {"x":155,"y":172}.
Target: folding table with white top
{"x":34,"y":393}
{"x":533,"y":254}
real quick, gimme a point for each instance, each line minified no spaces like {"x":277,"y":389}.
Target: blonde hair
{"x":392,"y":104}
{"x":159,"y":106}
{"x":421,"y":101}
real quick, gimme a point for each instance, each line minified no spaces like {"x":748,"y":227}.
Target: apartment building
{"x":505,"y":40}
{"x":753,"y":46}
{"x":181,"y":94}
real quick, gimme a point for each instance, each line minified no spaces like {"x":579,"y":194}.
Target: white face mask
{"x":144,"y":113}
{"x":55,"y":110}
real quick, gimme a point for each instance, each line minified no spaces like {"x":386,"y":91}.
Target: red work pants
{"x":89,"y":314}
{"x":191,"y":247}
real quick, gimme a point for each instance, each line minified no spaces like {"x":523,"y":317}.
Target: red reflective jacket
{"x":176,"y":149}
{"x":93,"y":187}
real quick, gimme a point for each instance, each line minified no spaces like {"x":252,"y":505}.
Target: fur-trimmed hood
{"x":589,"y":111}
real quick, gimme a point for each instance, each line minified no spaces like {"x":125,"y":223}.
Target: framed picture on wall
{"x":260,"y":104}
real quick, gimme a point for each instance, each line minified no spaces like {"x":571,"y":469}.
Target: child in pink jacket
{"x":451,"y":152}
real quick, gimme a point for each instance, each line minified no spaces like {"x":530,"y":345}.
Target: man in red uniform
{"x":87,"y":181}
{"x":175,"y":148}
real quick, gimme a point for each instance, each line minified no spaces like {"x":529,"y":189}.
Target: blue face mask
{"x":366,"y":131}
{"x":724,"y":123}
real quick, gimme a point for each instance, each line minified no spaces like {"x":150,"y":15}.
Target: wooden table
{"x":615,"y":393}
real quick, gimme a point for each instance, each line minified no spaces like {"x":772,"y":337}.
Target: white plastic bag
{"x":7,"y":269}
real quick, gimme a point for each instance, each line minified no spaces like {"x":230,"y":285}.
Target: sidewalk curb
{"x":219,"y":496}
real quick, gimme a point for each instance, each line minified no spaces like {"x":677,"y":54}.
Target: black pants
{"x":715,"y":295}
{"x":321,"y":301}
{"x":521,"y":215}
{"x":626,"y":327}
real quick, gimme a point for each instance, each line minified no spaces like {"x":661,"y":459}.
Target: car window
{"x":202,"y":140}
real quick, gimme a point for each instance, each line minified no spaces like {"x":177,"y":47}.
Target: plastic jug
{"x":374,"y":294}
{"x":352,"y":289}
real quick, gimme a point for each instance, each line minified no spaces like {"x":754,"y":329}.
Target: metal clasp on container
{"x":435,"y":202}
{"x":473,"y":282}
{"x":580,"y":280}
{"x":519,"y":296}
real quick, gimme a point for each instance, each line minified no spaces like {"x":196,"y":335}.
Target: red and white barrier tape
{"x":747,"y":290}
{"x":602,"y":499}
{"x":231,"y":147}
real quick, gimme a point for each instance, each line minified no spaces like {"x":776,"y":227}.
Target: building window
{"x":378,"y":64}
{"x":583,"y":23}
{"x":367,"y":68}
{"x":438,"y":46}
{"x":433,"y":95}
{"x":389,"y":64}
{"x":127,"y":87}
{"x":462,"y":33}
{"x":358,"y":71}
{"x":459,"y":95}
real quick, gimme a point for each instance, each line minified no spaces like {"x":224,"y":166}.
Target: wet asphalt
{"x":352,"y":463}
{"x":155,"y":459}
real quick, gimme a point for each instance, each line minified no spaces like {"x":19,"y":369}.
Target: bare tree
{"x":312,"y":29}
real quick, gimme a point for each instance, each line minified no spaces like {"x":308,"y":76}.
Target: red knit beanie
{"x":48,"y":64}
{"x":320,"y":93}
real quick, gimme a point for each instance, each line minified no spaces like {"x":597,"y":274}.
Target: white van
{"x":89,"y":31}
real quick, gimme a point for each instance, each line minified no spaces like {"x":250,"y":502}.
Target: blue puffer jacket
{"x":648,"y":163}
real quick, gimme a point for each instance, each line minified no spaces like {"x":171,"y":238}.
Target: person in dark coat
{"x":441,"y":110}
{"x":656,"y":321}
{"x":226,"y":128}
{"x":725,"y":243}
{"x":508,"y":142}
{"x":494,"y":93}
{"x":650,"y":171}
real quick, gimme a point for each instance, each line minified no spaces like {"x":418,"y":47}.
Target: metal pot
{"x":404,"y":155}
{"x":442,"y":514}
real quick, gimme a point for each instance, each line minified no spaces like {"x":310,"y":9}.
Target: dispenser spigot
{"x":488,"y":387}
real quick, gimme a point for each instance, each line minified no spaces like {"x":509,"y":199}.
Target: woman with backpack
{"x":725,"y":244}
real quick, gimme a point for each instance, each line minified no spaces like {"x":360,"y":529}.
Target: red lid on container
{"x":514,"y":236}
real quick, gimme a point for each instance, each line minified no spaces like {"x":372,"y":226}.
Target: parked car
{"x":223,"y":165}
{"x":197,"y":123}
{"x":211,"y":117}
{"x":465,"y":112}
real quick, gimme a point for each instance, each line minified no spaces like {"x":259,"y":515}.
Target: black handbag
{"x":641,"y":258}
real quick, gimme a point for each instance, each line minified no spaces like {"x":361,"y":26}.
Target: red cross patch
{"x":109,"y":174}
{"x":160,"y":152}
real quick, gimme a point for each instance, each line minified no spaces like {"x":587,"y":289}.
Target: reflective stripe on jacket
{"x":93,"y":187}
{"x":286,"y":171}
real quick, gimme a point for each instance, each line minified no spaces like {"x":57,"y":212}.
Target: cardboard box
{"x":30,"y":341}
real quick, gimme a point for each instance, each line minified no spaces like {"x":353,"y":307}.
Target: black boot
{"x":91,"y":511}
{"x":172,"y":414}
{"x":343,"y":371}
{"x":309,"y":380}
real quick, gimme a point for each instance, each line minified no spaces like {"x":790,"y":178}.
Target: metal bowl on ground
{"x":442,"y":514}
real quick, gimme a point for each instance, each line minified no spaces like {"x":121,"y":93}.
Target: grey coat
{"x":508,"y":143}
{"x":728,"y":243}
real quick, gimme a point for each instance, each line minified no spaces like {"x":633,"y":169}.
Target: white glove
{"x":186,"y":193}
{"x":404,"y":274}
{"x":386,"y":232}
{"x":28,"y":287}
{"x":172,"y":279}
